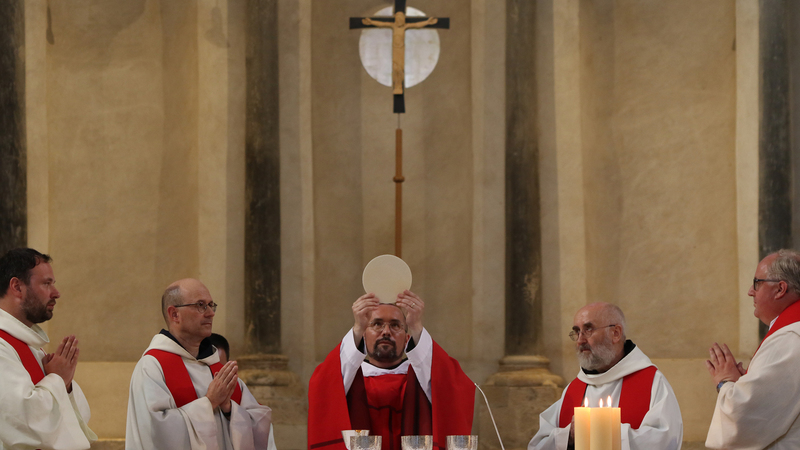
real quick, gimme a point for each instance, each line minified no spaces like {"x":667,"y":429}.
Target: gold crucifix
{"x":399,"y":23}
{"x":399,"y":27}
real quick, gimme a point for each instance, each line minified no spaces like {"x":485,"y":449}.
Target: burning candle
{"x":600,"y":428}
{"x":582,"y":428}
{"x":616,"y":427}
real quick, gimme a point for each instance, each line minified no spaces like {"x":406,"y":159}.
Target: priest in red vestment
{"x":407,"y":385}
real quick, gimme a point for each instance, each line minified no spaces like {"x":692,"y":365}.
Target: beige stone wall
{"x":135,"y":162}
{"x":338,"y":167}
{"x":644,"y":202}
{"x":135,"y":129}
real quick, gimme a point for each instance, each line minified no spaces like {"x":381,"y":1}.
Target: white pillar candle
{"x":582,"y":426}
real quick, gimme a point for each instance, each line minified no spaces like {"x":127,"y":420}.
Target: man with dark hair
{"x":408,"y":385}
{"x":41,"y":406}
{"x":181,"y":396}
{"x":223,"y":348}
{"x":758,"y":407}
{"x":613,"y":367}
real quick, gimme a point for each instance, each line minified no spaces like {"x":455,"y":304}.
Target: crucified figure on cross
{"x":399,"y":27}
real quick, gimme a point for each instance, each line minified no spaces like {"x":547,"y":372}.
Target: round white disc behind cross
{"x":386,"y":276}
{"x":421,"y":55}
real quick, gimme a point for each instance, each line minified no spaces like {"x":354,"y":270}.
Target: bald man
{"x":181,"y":397}
{"x":613,"y":367}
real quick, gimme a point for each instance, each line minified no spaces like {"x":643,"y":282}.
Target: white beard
{"x":599,"y":356}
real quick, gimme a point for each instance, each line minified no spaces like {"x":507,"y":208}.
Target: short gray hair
{"x":172,"y":296}
{"x":786,"y":267}
{"x":615,"y":315}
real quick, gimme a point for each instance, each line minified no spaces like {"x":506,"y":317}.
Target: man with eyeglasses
{"x":613,"y":367}
{"x":407,"y":385}
{"x":41,"y":406}
{"x":760,"y":407}
{"x":181,"y":397}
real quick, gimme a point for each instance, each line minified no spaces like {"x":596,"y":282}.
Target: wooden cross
{"x":399,"y":23}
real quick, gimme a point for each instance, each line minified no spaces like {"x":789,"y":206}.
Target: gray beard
{"x":599,"y":356}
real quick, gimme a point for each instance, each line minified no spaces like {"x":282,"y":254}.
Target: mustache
{"x":384,"y":339}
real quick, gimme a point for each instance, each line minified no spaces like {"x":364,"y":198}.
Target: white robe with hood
{"x":44,"y":415}
{"x":661,"y":428}
{"x":762,"y":409}
{"x":155,"y":421}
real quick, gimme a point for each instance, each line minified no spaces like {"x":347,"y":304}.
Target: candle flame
{"x":609,"y":402}
{"x":601,"y":402}
{"x":585,"y":402}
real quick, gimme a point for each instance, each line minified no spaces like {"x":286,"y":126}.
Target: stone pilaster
{"x":12,"y":127}
{"x":775,"y":137}
{"x":264,"y":368}
{"x":523,"y":387}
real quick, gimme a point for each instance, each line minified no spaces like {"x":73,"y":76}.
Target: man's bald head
{"x":604,"y":313}
{"x":175,"y":293}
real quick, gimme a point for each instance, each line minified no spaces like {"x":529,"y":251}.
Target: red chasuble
{"x":634,"y":401}
{"x":330,"y":411}
{"x":178,"y":381}
{"x":27,"y":357}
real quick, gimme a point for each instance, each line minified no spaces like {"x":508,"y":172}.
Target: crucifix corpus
{"x":400,"y":61}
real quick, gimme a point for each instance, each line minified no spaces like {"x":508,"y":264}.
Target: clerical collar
{"x":629,"y":346}
{"x":205,"y":350}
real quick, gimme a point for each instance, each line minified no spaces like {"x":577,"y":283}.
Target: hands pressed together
{"x":222,"y":386}
{"x":722,"y":365}
{"x":63,"y":361}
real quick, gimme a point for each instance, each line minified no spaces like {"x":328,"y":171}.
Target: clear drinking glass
{"x":462,"y":442}
{"x":347,"y":434}
{"x":365,"y":443}
{"x":417,"y":442}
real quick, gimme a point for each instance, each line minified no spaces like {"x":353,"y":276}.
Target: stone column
{"x":775,"y":137}
{"x":13,"y":218}
{"x":264,"y":368}
{"x":524,"y":386}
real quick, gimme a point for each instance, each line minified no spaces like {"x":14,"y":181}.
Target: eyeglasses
{"x":394,"y":327}
{"x":759,"y":280}
{"x":201,"y":306}
{"x":587,"y":333}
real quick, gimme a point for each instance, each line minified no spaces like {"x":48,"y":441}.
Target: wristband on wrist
{"x":720,"y":385}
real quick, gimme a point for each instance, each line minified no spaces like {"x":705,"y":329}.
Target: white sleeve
{"x":662,"y":426}
{"x":550,"y":436}
{"x":249,"y":425}
{"x":350,"y":358}
{"x":759,"y":408}
{"x":154,"y":421}
{"x":37,"y":416}
{"x":421,"y":359}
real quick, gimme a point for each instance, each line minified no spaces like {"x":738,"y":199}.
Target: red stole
{"x":330,"y":411}
{"x":634,"y":401}
{"x":177,"y":378}
{"x":29,"y":361}
{"x":787,"y":317}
